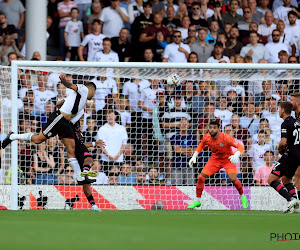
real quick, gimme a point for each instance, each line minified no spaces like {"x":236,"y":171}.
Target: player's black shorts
{"x":81,"y":152}
{"x":285,"y":167}
{"x":57,"y":124}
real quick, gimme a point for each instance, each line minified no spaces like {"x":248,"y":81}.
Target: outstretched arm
{"x":67,"y":82}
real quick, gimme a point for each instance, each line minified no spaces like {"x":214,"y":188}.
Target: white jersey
{"x":95,"y":44}
{"x":74,"y":29}
{"x":257,"y":153}
{"x":41,"y":97}
{"x":75,"y":102}
{"x":110,"y":57}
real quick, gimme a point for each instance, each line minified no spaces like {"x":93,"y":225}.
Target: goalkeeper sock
{"x":281,"y":190}
{"x":24,"y":137}
{"x":91,"y":200}
{"x":200,"y":185}
{"x":86,"y":167}
{"x":291,"y":188}
{"x":238,"y":186}
{"x":75,"y":165}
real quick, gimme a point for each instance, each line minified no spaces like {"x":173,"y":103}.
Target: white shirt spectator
{"x":257,"y":153}
{"x":125,"y":117}
{"x":213,"y":60}
{"x":74,"y":29}
{"x":173,"y":55}
{"x":261,"y":10}
{"x":281,"y":13}
{"x":41,"y":97}
{"x":133,"y":91}
{"x":112,"y":21}
{"x":114,"y":137}
{"x":209,"y":13}
{"x":278,"y":3}
{"x":240,"y":90}
{"x":7,"y":103}
{"x":259,"y":52}
{"x":22,"y":91}
{"x":264,"y":30}
{"x":295,"y":33}
{"x":224,"y":115}
{"x":274,"y":49}
{"x":255,"y":87}
{"x":110,"y":57}
{"x":274,"y":121}
{"x":66,"y":8}
{"x":184,"y":32}
{"x":95,"y":43}
{"x":148,"y":98}
{"x":105,"y":88}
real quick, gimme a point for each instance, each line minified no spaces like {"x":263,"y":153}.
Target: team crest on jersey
{"x":221,"y":144}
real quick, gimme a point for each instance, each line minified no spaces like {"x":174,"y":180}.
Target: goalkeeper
{"x":222,"y":156}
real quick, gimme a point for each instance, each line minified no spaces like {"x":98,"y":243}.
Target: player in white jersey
{"x":60,"y":121}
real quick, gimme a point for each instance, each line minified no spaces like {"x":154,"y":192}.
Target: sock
{"x":238,"y":186}
{"x":24,"y":137}
{"x":91,"y":200}
{"x":298,"y":194}
{"x":75,"y":165}
{"x":86,"y":167}
{"x":200,"y":185}
{"x":291,"y":188}
{"x":281,"y":190}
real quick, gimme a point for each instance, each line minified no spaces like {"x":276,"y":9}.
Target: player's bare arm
{"x":65,"y":81}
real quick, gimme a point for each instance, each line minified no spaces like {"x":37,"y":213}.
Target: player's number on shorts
{"x":296,"y":133}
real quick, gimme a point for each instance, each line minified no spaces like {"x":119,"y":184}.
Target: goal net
{"x":151,"y":130}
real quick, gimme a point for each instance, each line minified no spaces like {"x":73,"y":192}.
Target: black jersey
{"x":290,"y":129}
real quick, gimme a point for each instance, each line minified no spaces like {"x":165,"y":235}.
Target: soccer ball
{"x":173,"y":80}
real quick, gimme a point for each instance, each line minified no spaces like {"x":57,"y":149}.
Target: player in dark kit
{"x":289,"y":148}
{"x":85,"y":161}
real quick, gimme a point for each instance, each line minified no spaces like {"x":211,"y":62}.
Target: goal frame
{"x":14,"y":90}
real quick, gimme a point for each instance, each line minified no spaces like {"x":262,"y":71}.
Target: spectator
{"x":128,"y":6}
{"x":293,"y":28}
{"x":73,"y":35}
{"x":113,"y":18}
{"x":256,"y":50}
{"x":64,"y":12}
{"x":233,"y":43}
{"x":257,"y":16}
{"x":192,"y":31}
{"x":267,"y":28}
{"x":258,"y":150}
{"x":265,"y":94}
{"x":41,"y":94}
{"x":240,"y":90}
{"x":254,"y":27}
{"x":67,"y":178}
{"x":94,"y":42}
{"x":262,"y":174}
{"x":218,"y":54}
{"x":205,"y":12}
{"x":185,"y":23}
{"x":106,"y":55}
{"x":182,"y":11}
{"x":101,"y":178}
{"x":283,"y":56}
{"x":139,"y":24}
{"x":184,"y":145}
{"x":12,"y":56}
{"x":243,"y":25}
{"x":231,"y":17}
{"x":222,"y":112}
{"x":278,"y":3}
{"x":264,"y":6}
{"x":281,"y":12}
{"x":83,"y":6}
{"x":176,"y":51}
{"x":153,"y":176}
{"x":221,"y":37}
{"x":250,"y":120}
{"x":121,"y":45}
{"x":114,"y":171}
{"x":61,"y":93}
{"x":8,"y":46}
{"x":115,"y":138}
{"x":201,"y":47}
{"x":159,"y":47}
{"x":124,"y":114}
{"x":274,"y":47}
{"x":233,"y":104}
{"x":170,"y":21}
{"x":43,"y":164}
{"x":196,"y":18}
{"x":90,"y":134}
{"x":43,"y":117}
{"x":113,"y":180}
{"x":126,"y":176}
{"x":158,"y":6}
{"x":36,"y":56}
{"x":213,"y":32}
{"x":105,"y":86}
{"x":193,"y":58}
{"x":141,"y":177}
{"x":14,"y":11}
{"x":239,"y":132}
{"x":7,"y":29}
{"x":217,"y":16}
{"x":96,"y":11}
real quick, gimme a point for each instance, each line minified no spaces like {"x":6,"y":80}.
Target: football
{"x":173,"y":80}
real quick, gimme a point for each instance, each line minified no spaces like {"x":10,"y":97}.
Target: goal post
{"x":217,"y":76}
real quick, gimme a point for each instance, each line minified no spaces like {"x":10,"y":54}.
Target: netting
{"x":151,"y":130}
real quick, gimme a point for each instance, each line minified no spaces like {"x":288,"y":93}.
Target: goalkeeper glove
{"x":193,"y":159}
{"x":235,"y":158}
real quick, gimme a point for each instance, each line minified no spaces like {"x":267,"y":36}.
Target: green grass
{"x":62,"y":229}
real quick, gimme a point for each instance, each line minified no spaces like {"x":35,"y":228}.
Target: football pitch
{"x":65,"y":229}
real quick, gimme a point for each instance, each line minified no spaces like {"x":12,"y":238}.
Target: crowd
{"x":151,"y":129}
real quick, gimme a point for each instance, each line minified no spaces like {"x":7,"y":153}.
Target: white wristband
{"x":94,"y":144}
